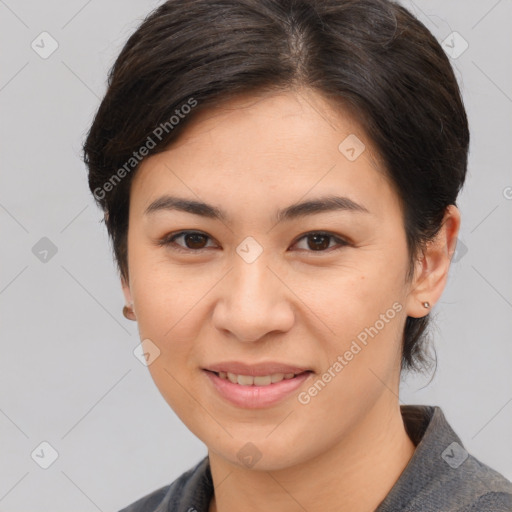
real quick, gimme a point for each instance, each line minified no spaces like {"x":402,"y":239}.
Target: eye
{"x":319,"y":241}
{"x":195,"y":241}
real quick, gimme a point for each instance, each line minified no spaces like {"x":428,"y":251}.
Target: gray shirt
{"x":440,"y":477}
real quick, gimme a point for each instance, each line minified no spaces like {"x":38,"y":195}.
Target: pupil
{"x":324,"y":245}
{"x":194,"y":237}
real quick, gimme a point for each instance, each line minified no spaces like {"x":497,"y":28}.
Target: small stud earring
{"x":426,"y":304}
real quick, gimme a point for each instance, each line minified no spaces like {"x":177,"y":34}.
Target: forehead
{"x":289,"y":120}
{"x":265,"y":146}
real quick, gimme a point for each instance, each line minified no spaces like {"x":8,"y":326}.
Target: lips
{"x":256,"y":396}
{"x":256,"y":370}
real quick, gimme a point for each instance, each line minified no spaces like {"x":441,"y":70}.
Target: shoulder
{"x":492,"y":501}
{"x":477,"y":487}
{"x":471,"y":487}
{"x":151,"y":502}
{"x":442,"y":475}
{"x":190,"y":491}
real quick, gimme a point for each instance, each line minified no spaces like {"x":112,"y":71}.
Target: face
{"x":321,"y":289}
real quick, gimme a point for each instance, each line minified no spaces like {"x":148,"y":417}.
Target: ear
{"x":431,"y":271}
{"x":128,"y":309}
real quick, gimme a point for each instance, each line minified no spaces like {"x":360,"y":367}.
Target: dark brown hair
{"x":370,"y":55}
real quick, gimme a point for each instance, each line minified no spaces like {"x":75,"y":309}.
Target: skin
{"x":251,"y":156}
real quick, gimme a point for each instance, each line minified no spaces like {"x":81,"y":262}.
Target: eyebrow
{"x":294,"y":211}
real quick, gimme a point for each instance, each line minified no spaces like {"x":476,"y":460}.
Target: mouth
{"x":255,"y":391}
{"x":257,"y":380}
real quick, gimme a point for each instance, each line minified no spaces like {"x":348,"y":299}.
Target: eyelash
{"x":169,"y":241}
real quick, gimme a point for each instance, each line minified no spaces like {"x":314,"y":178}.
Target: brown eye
{"x":195,"y":240}
{"x":320,"y":242}
{"x":192,"y":241}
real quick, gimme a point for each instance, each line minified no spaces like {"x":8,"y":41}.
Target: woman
{"x":279,"y":179}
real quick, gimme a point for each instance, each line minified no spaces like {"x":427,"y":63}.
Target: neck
{"x":354,"y":475}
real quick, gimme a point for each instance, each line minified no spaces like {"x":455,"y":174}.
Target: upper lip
{"x":255,"y":370}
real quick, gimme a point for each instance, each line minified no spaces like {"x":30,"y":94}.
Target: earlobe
{"x":128,"y":308}
{"x":128,"y":312}
{"x":432,"y":268}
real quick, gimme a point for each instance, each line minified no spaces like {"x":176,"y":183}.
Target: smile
{"x":255,"y":392}
{"x":249,"y":380}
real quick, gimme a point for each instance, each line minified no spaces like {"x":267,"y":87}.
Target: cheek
{"x":167,"y":309}
{"x":360,"y":350}
{"x":162,"y":292}
{"x":363,"y":314}
{"x":352,"y":297}
{"x":169,"y":313}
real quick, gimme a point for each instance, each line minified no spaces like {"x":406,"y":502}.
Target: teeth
{"x":249,"y":380}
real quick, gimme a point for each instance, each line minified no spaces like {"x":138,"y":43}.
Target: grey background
{"x":67,"y":369}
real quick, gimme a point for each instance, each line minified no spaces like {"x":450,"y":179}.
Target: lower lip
{"x":256,"y":397}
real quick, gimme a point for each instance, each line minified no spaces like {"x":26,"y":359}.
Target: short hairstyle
{"x":372,"y":57}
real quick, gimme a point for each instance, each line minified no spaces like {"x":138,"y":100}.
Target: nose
{"x":253,"y":301}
